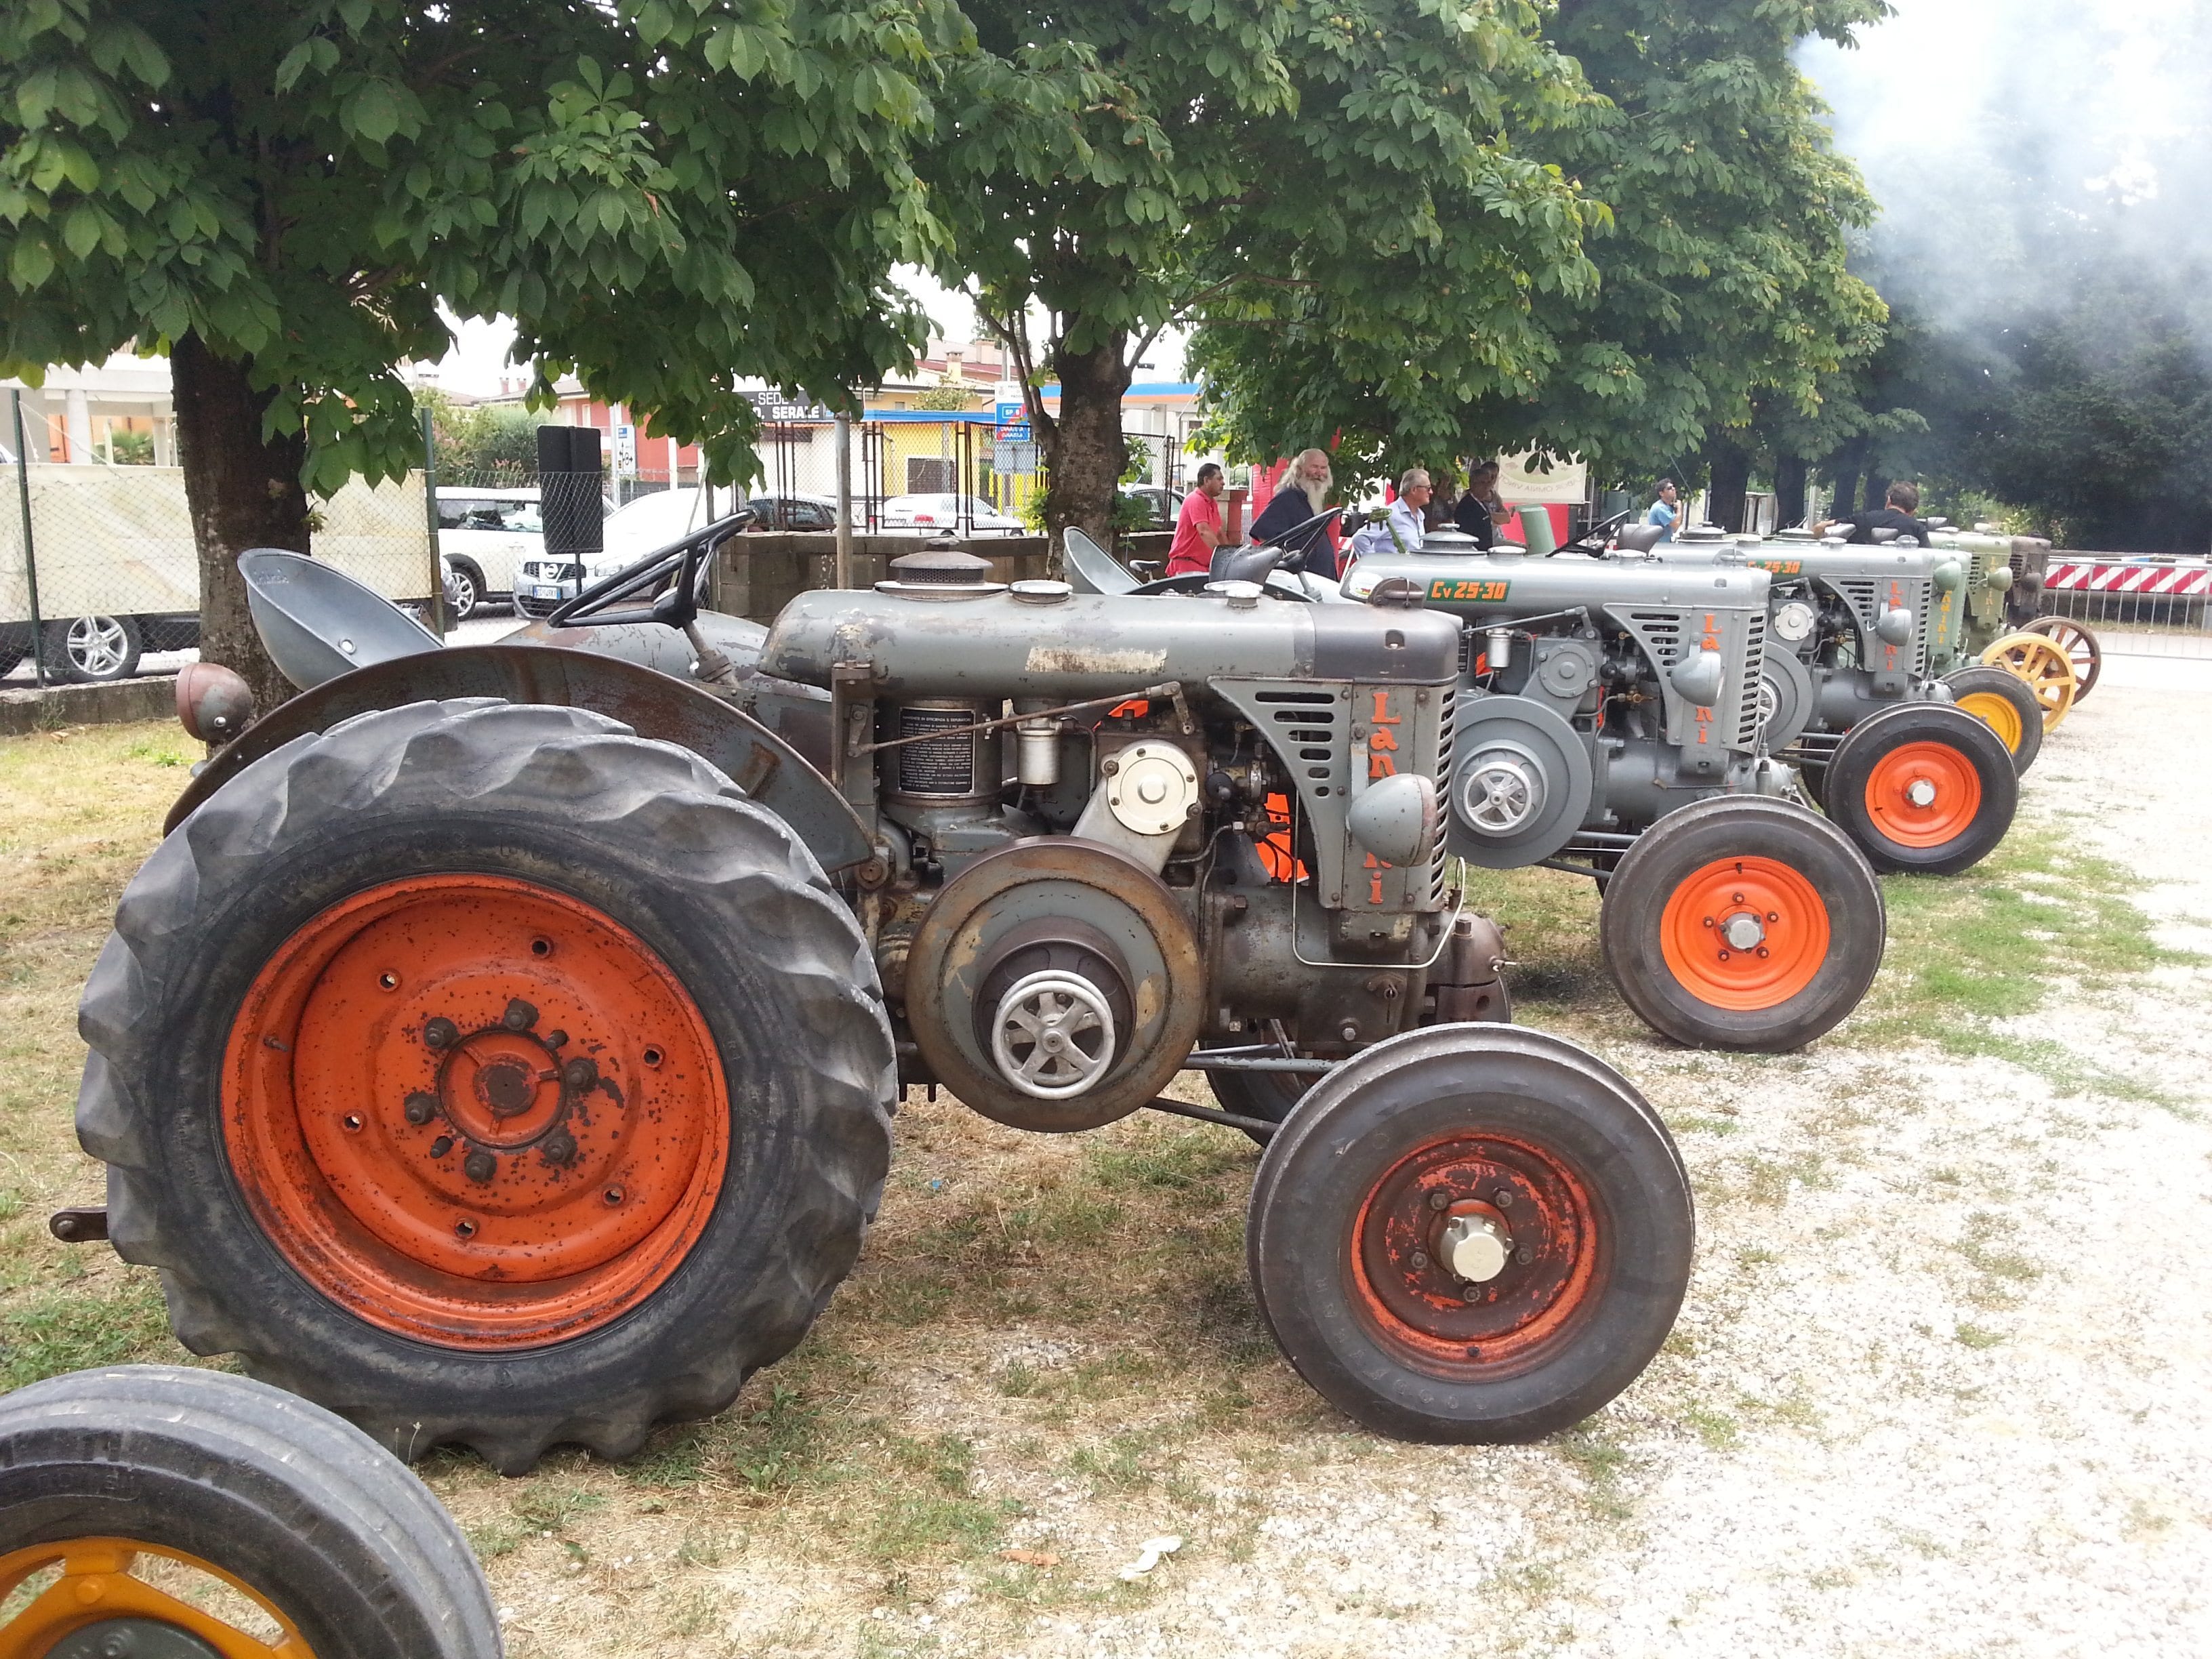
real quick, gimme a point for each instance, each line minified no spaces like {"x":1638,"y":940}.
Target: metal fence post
{"x":30,"y":556}
{"x":844,"y":502}
{"x":440,"y":623}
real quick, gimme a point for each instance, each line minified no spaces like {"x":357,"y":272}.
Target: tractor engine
{"x":1107,"y":830}
{"x":1598,"y":695}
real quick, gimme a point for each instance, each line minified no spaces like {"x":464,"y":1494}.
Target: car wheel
{"x":93,"y":650}
{"x":468,"y":590}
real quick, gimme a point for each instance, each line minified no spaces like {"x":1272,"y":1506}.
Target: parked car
{"x":810,"y":512}
{"x":488,"y":534}
{"x":631,"y":531}
{"x":1161,"y":505}
{"x":928,"y":514}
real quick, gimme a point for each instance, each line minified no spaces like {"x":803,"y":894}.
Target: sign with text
{"x":1013,"y":422}
{"x":775,"y":408}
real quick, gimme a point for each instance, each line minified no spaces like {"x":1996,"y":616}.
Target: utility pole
{"x":844,"y":500}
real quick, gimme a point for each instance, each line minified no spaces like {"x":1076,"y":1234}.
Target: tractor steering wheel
{"x":1593,"y":540}
{"x":675,"y":603}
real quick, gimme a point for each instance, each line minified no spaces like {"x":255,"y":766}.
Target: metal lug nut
{"x":1350,"y":1032}
{"x":555,"y":1039}
{"x":441,"y":1145}
{"x":520,"y":1015}
{"x":480,"y":1166}
{"x":441,"y":1033}
{"x":1440,"y":1200}
{"x":1503,"y":1198}
{"x":420,"y":1108}
{"x":580,"y":1073}
{"x":1420,"y":1258}
{"x":560,"y":1147}
{"x":1525,"y":1255}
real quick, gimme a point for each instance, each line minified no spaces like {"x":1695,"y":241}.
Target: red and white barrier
{"x":2190,"y":579}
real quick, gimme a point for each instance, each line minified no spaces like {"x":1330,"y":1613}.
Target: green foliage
{"x":663,"y":193}
{"x":1261,"y":167}
{"x":481,"y":443}
{"x":1716,"y":217}
{"x":950,"y":395}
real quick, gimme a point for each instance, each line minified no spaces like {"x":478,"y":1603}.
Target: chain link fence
{"x":99,"y":569}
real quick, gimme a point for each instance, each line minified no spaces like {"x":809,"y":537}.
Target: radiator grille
{"x":1754,"y":658}
{"x":1440,"y":861}
{"x":1661,"y":631}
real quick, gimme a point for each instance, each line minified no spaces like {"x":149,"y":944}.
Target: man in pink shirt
{"x":1197,"y":527}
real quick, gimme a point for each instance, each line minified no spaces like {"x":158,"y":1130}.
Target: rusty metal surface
{"x":654,"y":704}
{"x":945,"y":965}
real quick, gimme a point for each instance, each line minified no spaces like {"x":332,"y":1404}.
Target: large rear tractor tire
{"x":490,"y":1075}
{"x":1742,"y":923}
{"x":191,"y":1513}
{"x":1470,"y":1233}
{"x":1922,"y":788}
{"x":2003,"y":702}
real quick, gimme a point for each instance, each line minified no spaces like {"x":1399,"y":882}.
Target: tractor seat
{"x":1147,"y":570}
{"x":1091,"y":568}
{"x":1640,"y":537}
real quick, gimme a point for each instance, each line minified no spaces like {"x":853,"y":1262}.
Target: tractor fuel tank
{"x":1482,"y":588}
{"x":1040,"y":639}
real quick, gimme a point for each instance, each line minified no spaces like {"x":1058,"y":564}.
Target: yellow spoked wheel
{"x":2043,"y":664}
{"x":106,"y":1602}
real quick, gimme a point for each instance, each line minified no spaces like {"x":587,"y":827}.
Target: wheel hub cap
{"x":1743,"y":931}
{"x":1052,"y":1034}
{"x":1475,"y":1248}
{"x":1503,"y":791}
{"x":1920,"y":793}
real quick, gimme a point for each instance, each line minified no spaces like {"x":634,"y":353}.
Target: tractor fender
{"x":766,"y":766}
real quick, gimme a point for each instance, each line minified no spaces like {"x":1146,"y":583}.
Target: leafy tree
{"x":1116,"y":166}
{"x":1719,"y":238}
{"x":662,"y":193}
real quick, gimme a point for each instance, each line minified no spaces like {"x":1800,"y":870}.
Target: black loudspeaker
{"x":568,"y":490}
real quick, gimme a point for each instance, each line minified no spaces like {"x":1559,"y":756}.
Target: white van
{"x":487,"y":534}
{"x":632,"y":531}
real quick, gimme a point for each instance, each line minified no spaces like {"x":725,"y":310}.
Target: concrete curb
{"x":152,"y":698}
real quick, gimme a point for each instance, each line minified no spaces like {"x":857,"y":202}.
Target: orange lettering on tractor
{"x":1382,"y":714}
{"x":1379,"y":764}
{"x":1712,"y":639}
{"x":1704,"y":720}
{"x":1375,"y":881}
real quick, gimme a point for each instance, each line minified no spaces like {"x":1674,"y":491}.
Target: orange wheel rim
{"x":1923,"y":794}
{"x":1542,"y":1268}
{"x":97,"y":1582}
{"x":1744,"y":934}
{"x":474,"y":1111}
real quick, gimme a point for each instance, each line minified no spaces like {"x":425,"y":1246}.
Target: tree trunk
{"x":1731,"y":483}
{"x":243,"y":491}
{"x":1085,"y":450}
{"x":1877,"y":491}
{"x":1790,"y":507}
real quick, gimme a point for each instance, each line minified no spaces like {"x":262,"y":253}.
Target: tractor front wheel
{"x":167,"y":1512}
{"x":1742,"y":923}
{"x":1470,"y":1233}
{"x":2080,"y":646}
{"x":1924,"y":788}
{"x":490,"y":1075}
{"x":2003,"y":702}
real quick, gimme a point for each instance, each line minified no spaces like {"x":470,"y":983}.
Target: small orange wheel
{"x":1746,"y":934}
{"x":474,"y":1111}
{"x":99,"y":1585}
{"x":1923,"y":794}
{"x":1538,"y":1219}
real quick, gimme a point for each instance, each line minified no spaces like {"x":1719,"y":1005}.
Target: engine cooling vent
{"x":1661,"y":631}
{"x":1754,"y":658}
{"x":1440,"y":861}
{"x":1862,"y":594}
{"x":1307,"y":723}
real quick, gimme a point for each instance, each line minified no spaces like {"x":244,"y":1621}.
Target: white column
{"x":79,"y":418}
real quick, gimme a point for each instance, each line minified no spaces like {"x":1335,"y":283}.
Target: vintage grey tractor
{"x":502,"y":1046}
{"x":1607,"y":724}
{"x":1920,"y":783}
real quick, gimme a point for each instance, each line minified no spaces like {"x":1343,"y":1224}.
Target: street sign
{"x":1013,"y":423}
{"x":776,"y":408}
{"x":626,"y":450}
{"x":1010,"y":458}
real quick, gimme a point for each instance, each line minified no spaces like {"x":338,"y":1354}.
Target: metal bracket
{"x":87,"y":1226}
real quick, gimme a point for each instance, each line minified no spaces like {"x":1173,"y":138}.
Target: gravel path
{"x":1942,"y":1383}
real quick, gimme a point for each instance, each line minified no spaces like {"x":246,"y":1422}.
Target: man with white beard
{"x":1300,"y":497}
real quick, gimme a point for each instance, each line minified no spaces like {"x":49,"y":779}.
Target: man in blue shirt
{"x":1667,"y":510}
{"x":1400,"y":533}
